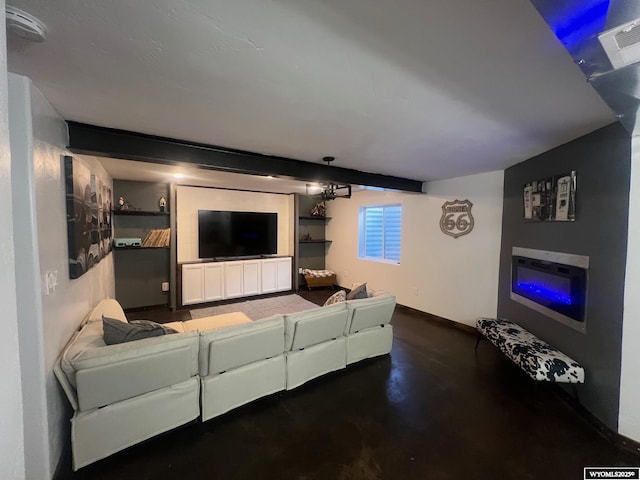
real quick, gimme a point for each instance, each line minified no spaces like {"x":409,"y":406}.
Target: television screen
{"x":236,"y":234}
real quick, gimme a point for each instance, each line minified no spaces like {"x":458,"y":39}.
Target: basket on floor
{"x":319,"y":278}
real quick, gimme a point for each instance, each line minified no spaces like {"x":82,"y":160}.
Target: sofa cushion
{"x":337,"y":297}
{"x":177,"y":326}
{"x":231,"y":347}
{"x":87,"y":349}
{"x":358,"y":291}
{"x":369,"y":312}
{"x":310,"y":327}
{"x":87,"y":339}
{"x":107,"y":307}
{"x":116,"y":331}
{"x":216,"y":321}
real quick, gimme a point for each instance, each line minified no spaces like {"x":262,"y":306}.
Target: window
{"x":380,"y":231}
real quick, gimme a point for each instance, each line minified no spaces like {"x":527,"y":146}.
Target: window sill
{"x":380,"y":260}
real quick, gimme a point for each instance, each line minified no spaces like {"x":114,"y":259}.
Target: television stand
{"x":203,"y":282}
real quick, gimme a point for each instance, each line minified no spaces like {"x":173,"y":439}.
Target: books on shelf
{"x":157,"y":238}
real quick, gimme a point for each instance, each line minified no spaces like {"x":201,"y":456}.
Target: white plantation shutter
{"x":380,"y":232}
{"x":392,"y":232}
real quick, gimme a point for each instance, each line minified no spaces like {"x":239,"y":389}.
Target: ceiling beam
{"x":108,"y":142}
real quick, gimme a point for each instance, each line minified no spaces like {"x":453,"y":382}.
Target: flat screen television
{"x":236,"y":234}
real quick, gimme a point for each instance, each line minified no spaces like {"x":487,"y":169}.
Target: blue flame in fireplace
{"x":546,"y":292}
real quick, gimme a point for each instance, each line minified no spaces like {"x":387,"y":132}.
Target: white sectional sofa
{"x":315,"y":343}
{"x":126,"y":393}
{"x":369,"y":332}
{"x":123,"y":394}
{"x":241,"y":364}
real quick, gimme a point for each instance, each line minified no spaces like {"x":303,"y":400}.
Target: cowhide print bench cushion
{"x":537,"y":358}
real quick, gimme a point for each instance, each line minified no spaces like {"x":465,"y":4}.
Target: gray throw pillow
{"x":337,"y":297}
{"x":359,"y":292}
{"x":116,"y":331}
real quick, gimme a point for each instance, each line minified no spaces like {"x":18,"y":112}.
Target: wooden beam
{"x":108,"y":142}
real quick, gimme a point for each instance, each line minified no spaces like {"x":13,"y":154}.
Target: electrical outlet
{"x":165,"y":286}
{"x":414,"y":291}
{"x":300,"y":270}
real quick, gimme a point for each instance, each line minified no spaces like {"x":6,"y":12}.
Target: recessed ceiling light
{"x":178,"y":175}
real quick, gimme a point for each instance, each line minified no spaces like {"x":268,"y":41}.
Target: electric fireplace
{"x":552,"y":283}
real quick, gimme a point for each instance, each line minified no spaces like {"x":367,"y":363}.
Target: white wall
{"x":454,"y":278}
{"x":629,"y":413}
{"x":47,"y":323}
{"x":11,"y":411}
{"x":191,"y":199}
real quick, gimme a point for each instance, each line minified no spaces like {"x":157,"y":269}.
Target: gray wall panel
{"x":602,"y":160}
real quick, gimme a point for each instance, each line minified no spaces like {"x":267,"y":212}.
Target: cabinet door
{"x":213,"y":282}
{"x":284,"y":273}
{"x":192,"y":284}
{"x":233,"y":279}
{"x":251,"y":274}
{"x":269,"y":276}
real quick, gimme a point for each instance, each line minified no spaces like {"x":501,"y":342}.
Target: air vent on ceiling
{"x":622,"y":44}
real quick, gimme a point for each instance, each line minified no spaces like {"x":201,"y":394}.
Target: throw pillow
{"x":339,"y":296}
{"x":358,"y":292}
{"x":116,"y":331}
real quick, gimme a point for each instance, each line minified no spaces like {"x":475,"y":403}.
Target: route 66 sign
{"x":456,"y":218}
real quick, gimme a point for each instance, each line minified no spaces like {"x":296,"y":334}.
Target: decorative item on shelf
{"x":126,"y":206}
{"x":306,"y":237}
{"x":162,"y":203}
{"x":318,"y":210}
{"x":551,"y":199}
{"x":157,"y":238}
{"x":456,"y":219}
{"x":330,"y":190}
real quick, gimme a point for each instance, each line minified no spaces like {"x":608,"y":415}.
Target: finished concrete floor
{"x":433,"y":409}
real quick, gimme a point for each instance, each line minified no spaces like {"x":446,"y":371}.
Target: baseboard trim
{"x":429,"y":316}
{"x":444,"y":321}
{"x":617,"y":439}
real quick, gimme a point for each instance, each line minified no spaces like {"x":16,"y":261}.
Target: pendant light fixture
{"x":330,"y":190}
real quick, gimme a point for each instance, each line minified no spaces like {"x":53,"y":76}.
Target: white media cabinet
{"x":211,"y":281}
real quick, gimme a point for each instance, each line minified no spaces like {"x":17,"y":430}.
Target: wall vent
{"x":622,"y":44}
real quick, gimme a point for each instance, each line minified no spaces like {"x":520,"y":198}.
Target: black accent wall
{"x":602,"y":160}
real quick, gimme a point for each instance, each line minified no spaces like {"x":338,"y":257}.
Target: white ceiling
{"x":421,"y":89}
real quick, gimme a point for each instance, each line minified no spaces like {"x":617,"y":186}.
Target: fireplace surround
{"x":554,"y":284}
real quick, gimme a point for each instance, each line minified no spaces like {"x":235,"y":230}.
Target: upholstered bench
{"x":538,"y":359}
{"x":319,"y":278}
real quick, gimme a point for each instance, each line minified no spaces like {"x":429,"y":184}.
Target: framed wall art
{"x":551,"y":199}
{"x":88,"y":217}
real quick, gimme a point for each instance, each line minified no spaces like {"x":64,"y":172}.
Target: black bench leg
{"x":575,"y":392}
{"x":478,"y":341}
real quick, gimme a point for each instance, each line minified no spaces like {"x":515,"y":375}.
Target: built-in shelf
{"x":317,"y":217}
{"x":315,"y":241}
{"x":139,"y":212}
